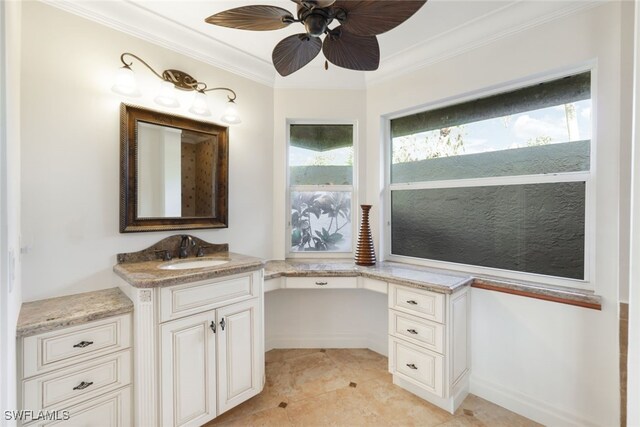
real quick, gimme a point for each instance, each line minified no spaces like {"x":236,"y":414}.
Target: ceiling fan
{"x":352,"y":44}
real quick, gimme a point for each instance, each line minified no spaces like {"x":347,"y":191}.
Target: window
{"x":499,"y":182}
{"x":321,"y":176}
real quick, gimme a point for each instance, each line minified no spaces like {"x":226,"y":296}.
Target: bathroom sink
{"x":196,"y":263}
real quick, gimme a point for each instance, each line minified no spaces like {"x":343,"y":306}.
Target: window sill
{"x":576,"y":297}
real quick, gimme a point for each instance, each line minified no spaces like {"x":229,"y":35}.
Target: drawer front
{"x":111,"y":410}
{"x":417,"y":365}
{"x":373,"y":285}
{"x":425,"y":304}
{"x":69,"y":386}
{"x":183,"y":300}
{"x":417,"y":331}
{"x":46,"y":352}
{"x":321,"y":282}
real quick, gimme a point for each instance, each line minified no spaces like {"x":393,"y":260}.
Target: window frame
{"x":588,"y":177}
{"x":353,"y":188}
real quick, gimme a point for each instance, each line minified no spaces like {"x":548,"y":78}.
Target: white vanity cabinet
{"x":195,"y":348}
{"x":82,"y":373}
{"x":428,"y":343}
{"x":200,"y":348}
{"x":188,"y":370}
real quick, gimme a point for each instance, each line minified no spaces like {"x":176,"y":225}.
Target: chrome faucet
{"x":185,"y":244}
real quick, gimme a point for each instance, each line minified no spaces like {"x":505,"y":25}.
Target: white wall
{"x":626,"y":100}
{"x":70,"y":143}
{"x":11,"y":289}
{"x":554,"y":363}
{"x":633,"y":373}
{"x":327,"y":318}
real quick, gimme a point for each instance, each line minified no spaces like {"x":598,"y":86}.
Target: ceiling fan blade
{"x":295,"y":52}
{"x":257,"y":18}
{"x":351,"y":51}
{"x":312,"y":4}
{"x":373,"y":17}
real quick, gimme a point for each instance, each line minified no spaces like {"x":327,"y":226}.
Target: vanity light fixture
{"x":125,"y":84}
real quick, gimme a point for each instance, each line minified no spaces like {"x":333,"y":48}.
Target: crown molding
{"x":504,"y":22}
{"x":138,"y":21}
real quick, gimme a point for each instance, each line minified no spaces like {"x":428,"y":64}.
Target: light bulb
{"x":200,"y":105}
{"x":125,"y":82}
{"x":167,"y":95}
{"x":231,"y":115}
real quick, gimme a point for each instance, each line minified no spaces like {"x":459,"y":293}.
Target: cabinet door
{"x":188,"y":363}
{"x":240,"y":353}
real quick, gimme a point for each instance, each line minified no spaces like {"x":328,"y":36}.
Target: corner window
{"x":321,"y":176}
{"x":499,"y":182}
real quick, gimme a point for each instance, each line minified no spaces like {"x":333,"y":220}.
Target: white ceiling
{"x":440,"y":29}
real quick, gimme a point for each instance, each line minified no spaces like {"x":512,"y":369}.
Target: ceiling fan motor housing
{"x":316,"y":21}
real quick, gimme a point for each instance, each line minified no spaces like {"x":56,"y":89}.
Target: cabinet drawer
{"x":373,"y":285}
{"x":425,"y":304}
{"x":71,"y":385}
{"x":417,"y":331}
{"x":417,"y":365}
{"x":46,"y":352}
{"x":321,"y":282}
{"x":111,"y":410}
{"x":183,"y":300}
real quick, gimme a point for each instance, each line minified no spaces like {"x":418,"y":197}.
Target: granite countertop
{"x":146,"y":274}
{"x":394,"y":272}
{"x":430,"y":279}
{"x":55,"y":313}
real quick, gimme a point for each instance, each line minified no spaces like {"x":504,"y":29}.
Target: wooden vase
{"x":365,"y":253}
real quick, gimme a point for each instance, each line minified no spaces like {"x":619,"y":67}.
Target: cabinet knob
{"x":83,"y":344}
{"x":412,"y":302}
{"x":412,"y":366}
{"x":412,"y":331}
{"x":213,"y":326}
{"x":82,"y":385}
{"x":321,"y":283}
{"x":222,"y":323}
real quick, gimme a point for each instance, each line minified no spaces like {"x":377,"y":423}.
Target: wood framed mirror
{"x":173,"y":172}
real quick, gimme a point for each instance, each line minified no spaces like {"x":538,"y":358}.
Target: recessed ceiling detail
{"x":439,"y":30}
{"x":351,"y":43}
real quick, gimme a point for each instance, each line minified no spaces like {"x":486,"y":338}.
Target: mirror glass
{"x":176,"y":172}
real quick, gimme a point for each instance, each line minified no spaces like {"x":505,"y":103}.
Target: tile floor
{"x":349,"y":387}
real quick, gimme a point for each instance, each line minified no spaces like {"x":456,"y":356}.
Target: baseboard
{"x":372,"y":342}
{"x":525,"y":405}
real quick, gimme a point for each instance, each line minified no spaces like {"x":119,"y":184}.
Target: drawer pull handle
{"x":412,"y":366}
{"x":83,"y":344}
{"x":412,"y":331}
{"x":222,"y":323}
{"x":322,"y":283}
{"x":412,"y":302}
{"x":82,"y":385}
{"x":213,"y":326}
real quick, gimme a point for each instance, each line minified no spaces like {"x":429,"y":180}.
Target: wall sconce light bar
{"x":126,"y":85}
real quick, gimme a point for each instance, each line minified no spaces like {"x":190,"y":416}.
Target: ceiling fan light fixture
{"x":167,"y":95}
{"x":200,"y":105}
{"x":231,"y":115}
{"x":125,"y":82}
